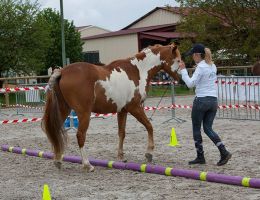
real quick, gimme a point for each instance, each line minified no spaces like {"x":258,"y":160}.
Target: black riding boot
{"x":199,"y":160}
{"x":224,"y":155}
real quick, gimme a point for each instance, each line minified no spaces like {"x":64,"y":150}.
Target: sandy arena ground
{"x":23,"y":177}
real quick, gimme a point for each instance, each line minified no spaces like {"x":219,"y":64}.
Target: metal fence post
{"x":6,"y":95}
{"x":173,"y":104}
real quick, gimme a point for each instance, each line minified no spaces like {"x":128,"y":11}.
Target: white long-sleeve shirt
{"x":203,"y":79}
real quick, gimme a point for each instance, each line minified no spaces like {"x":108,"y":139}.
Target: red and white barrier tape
{"x":147,"y":108}
{"x":238,"y":83}
{"x":17,"y":89}
{"x":164,"y":82}
{"x":22,"y":106}
{"x":14,"y":121}
{"x":254,"y":107}
{"x":26,"y":106}
{"x":102,"y":115}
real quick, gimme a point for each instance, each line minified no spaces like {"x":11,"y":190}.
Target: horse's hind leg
{"x":121,"y":120}
{"x":138,"y":113}
{"x":84,"y":118}
{"x":64,"y":110}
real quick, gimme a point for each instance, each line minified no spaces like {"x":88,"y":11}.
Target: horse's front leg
{"x":138,"y":113}
{"x":81,"y":136}
{"x":121,"y":119}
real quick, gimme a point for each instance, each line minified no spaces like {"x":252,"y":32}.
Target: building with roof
{"x":156,"y":27}
{"x":87,"y":31}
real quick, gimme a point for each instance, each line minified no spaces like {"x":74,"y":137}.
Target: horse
{"x":256,"y":69}
{"x":119,"y":87}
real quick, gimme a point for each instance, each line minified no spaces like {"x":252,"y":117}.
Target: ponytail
{"x":208,"y":56}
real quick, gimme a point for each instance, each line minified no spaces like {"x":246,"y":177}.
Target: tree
{"x":72,"y":39}
{"x":30,"y":39}
{"x":231,"y":27}
{"x":23,"y":38}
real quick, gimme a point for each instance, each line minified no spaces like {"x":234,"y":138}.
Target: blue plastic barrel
{"x":75,"y":119}
{"x":67,"y":122}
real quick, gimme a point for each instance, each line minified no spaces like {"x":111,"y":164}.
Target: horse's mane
{"x":100,"y":64}
{"x":140,"y":54}
{"x":150,"y":47}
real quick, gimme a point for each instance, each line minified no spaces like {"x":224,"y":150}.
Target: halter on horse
{"x":118,"y":87}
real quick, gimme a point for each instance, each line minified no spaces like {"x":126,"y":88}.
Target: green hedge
{"x":165,"y":90}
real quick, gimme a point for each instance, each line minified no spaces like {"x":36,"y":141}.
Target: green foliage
{"x":158,"y":91}
{"x":73,"y":42}
{"x":23,"y":39}
{"x":229,"y":25}
{"x":30,"y":39}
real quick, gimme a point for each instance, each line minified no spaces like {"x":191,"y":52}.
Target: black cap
{"x":197,"y":48}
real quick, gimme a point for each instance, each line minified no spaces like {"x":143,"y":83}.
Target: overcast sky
{"x":109,"y":14}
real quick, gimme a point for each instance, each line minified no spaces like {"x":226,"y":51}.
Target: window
{"x":91,"y":57}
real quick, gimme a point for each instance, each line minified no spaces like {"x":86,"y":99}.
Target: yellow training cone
{"x":46,"y":193}
{"x":173,"y":140}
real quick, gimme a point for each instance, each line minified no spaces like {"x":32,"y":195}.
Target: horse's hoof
{"x":121,"y":159}
{"x":89,"y":168}
{"x":149,"y":157}
{"x":57,"y":164}
{"x":124,"y":160}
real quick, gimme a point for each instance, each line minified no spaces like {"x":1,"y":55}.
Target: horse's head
{"x":170,"y":57}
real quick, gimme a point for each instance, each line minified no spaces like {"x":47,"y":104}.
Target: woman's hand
{"x":182,"y":65}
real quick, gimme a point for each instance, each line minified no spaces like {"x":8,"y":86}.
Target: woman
{"x":205,"y":103}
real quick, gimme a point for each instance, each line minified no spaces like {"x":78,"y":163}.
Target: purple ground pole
{"x":221,"y":178}
{"x":186,"y":173}
{"x":192,"y":174}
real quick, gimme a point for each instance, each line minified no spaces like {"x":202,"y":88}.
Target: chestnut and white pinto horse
{"x":118,"y":87}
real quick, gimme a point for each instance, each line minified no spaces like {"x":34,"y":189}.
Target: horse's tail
{"x":52,"y":123}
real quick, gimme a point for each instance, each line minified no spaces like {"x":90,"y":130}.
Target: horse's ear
{"x":175,"y":43}
{"x":174,"y":47}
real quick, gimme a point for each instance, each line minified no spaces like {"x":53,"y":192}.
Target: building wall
{"x":159,"y":17}
{"x":92,"y":30}
{"x":113,"y":48}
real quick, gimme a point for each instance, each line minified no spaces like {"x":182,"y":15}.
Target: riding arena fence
{"x":23,"y":94}
{"x":238,"y":96}
{"x":32,"y":100}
